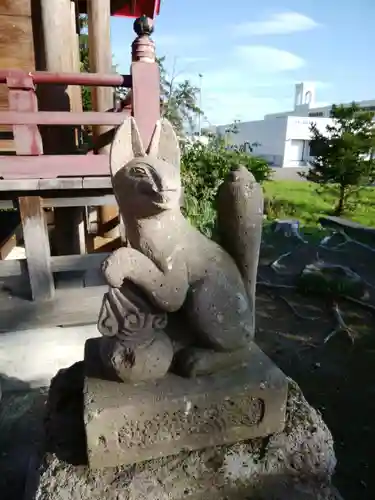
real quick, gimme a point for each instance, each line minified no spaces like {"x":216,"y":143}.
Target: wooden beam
{"x":58,"y":264}
{"x":54,"y":166}
{"x":16,"y":8}
{"x":61,"y":56}
{"x":100,"y":54}
{"x":16,"y":50}
{"x":58,"y":41}
{"x":58,"y":118}
{"x":80,"y":201}
{"x":36,"y":240}
{"x":70,"y":307}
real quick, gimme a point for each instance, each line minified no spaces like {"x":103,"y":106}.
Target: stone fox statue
{"x":171,"y":262}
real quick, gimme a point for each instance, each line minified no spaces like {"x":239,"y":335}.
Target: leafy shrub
{"x":203,"y":168}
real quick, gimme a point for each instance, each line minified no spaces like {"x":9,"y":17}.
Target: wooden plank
{"x":6,"y":132}
{"x":59,"y":264}
{"x":23,"y":184}
{"x":64,"y":263}
{"x":15,"y":8}
{"x":60,"y":183}
{"x":16,"y":48}
{"x":109,"y":221}
{"x":6,"y":145}
{"x":97,"y":182}
{"x":19,"y":184}
{"x":16,"y":42}
{"x":36,"y":240}
{"x":53,"y":166}
{"x":41,"y":77}
{"x":62,"y":118}
{"x":22,"y":97}
{"x":80,"y":201}
{"x":69,"y":307}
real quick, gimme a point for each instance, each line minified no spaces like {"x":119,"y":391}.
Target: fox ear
{"x":164,"y":143}
{"x":126,"y":145}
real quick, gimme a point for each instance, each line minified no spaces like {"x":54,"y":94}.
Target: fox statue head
{"x":145,"y":183}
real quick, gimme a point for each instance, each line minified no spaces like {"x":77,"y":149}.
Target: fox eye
{"x":138,"y":172}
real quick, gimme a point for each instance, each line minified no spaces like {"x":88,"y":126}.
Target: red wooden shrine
{"x":38,"y":180}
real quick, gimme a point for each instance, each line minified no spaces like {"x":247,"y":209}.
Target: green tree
{"x":203,"y":168}
{"x":344,"y":161}
{"x":178,"y":99}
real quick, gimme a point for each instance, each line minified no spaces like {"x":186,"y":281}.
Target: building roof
{"x":128,"y":8}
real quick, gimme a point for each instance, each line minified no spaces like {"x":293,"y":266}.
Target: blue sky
{"x":252,"y":53}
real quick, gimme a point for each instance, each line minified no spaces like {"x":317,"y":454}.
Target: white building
{"x":283,"y":139}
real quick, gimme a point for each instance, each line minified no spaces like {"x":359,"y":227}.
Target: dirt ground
{"x":337,"y":377}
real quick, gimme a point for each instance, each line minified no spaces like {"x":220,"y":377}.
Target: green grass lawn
{"x":299,"y":200}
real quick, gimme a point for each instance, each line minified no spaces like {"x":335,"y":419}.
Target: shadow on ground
{"x":337,"y":377}
{"x":21,"y":436}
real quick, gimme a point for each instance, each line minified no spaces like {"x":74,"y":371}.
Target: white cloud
{"x":241,"y":91}
{"x":225,"y":107}
{"x":265,"y":59}
{"x":233,"y":78}
{"x":278,"y":24}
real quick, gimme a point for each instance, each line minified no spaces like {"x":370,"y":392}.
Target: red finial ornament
{"x":143,"y":48}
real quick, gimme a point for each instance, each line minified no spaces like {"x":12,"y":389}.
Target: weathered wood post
{"x":60,"y":55}
{"x":27,"y":141}
{"x":100,"y":56}
{"x":58,"y":48}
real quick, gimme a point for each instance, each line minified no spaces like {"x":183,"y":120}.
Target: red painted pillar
{"x":146,"y":80}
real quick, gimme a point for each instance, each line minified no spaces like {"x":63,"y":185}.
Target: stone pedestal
{"x":127,"y":423}
{"x":296,"y":463}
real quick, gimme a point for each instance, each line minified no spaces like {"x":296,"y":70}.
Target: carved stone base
{"x":295,"y":464}
{"x":136,"y":362}
{"x":128,"y":423}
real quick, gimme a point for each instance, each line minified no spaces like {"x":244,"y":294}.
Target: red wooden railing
{"x":95,"y":79}
{"x":24,"y":116}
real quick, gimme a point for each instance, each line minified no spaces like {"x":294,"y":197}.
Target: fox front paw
{"x":112,"y":269}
